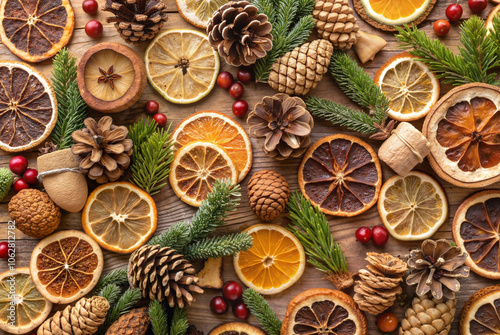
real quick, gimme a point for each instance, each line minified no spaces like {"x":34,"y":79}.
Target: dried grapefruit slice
{"x":463,"y":130}
{"x":30,"y":307}
{"x":341,"y":174}
{"x":36,"y":30}
{"x":66,"y":265}
{"x":321,"y":311}
{"x":476,"y":230}
{"x":28,"y":107}
{"x":481,"y":313}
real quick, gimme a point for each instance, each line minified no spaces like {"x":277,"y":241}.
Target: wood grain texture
{"x":171,"y":209}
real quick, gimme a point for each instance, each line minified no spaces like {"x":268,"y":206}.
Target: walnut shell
{"x":268,"y":193}
{"x":135,"y":322}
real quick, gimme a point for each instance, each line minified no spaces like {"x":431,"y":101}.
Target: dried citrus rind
{"x":481,"y":313}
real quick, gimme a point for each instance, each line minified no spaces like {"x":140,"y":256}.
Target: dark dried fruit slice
{"x":36,"y":30}
{"x":481,"y":313}
{"x":322,"y":311}
{"x":341,"y":174}
{"x":28,"y":107}
{"x":236,"y":328}
{"x":476,"y":229}
{"x":66,"y":266}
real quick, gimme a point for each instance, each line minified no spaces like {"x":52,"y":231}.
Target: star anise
{"x":108,"y":77}
{"x":384,"y":131}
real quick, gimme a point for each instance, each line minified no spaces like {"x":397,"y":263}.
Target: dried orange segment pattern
{"x":395,"y":9}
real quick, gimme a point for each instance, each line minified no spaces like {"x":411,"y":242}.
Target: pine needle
{"x":180,"y":322}
{"x":111,"y":292}
{"x":219,"y":246}
{"x":262,"y":311}
{"x":159,"y":318}
{"x":129,"y":298}
{"x":176,"y":237}
{"x":118,"y":277}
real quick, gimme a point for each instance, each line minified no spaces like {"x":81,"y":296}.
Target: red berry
{"x":387,"y":322}
{"x":225,"y":79}
{"x":364,"y":234}
{"x":240,"y":108}
{"x":241,"y":311}
{"x":93,"y":28}
{"x":4,"y":250}
{"x":161,"y":119}
{"x":18,"y":164}
{"x":441,"y":27}
{"x":380,"y":235}
{"x":232,"y":291}
{"x":477,"y":6}
{"x":244,"y":75}
{"x":90,"y":7}
{"x":454,"y":12}
{"x":218,"y":305}
{"x":30,"y":176}
{"x":236,"y":90}
{"x":151,"y":107}
{"x":20,"y":184}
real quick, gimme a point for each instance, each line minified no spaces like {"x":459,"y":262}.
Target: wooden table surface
{"x":171,"y":209}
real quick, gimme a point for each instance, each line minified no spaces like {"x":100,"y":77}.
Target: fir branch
{"x":495,"y":33}
{"x":341,"y":115}
{"x":111,"y":292}
{"x":266,"y":7}
{"x":310,"y":226}
{"x":118,"y":277}
{"x":305,"y":7}
{"x":219,"y":246}
{"x":176,"y":237}
{"x":285,"y":14}
{"x":262,"y":311}
{"x":153,"y":153}
{"x":299,"y":33}
{"x":129,"y":298}
{"x":71,"y":109}
{"x":159,"y":318}
{"x":180,"y":322}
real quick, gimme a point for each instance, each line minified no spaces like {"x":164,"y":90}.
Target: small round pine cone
{"x":268,"y":193}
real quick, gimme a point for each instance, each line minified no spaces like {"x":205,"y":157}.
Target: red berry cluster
{"x":454,"y":13}
{"x":378,"y":234}
{"x":226,"y":81}
{"x":231,"y":292}
{"x":152,"y":108}
{"x":19,"y":165}
{"x":93,"y":28}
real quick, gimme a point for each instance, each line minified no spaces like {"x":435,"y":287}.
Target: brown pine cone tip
{"x":135,"y":322}
{"x":102,"y":149}
{"x":282,"y":126}
{"x":300,"y":70}
{"x":137,"y":20}
{"x":335,"y":22}
{"x":436,"y":267}
{"x":163,"y":274}
{"x":82,"y":319}
{"x":239,"y":33}
{"x":268,"y":194}
{"x":428,"y":315}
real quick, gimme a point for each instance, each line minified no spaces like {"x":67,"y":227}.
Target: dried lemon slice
{"x":198,"y":12}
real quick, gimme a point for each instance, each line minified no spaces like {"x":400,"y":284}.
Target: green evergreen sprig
{"x":71,"y":109}
{"x":176,"y":237}
{"x":124,"y":304}
{"x":152,"y":155}
{"x":180,"y":322}
{"x":477,"y":56}
{"x":262,"y":311}
{"x":159,"y":318}
{"x":218,"y":246}
{"x":117,"y":277}
{"x":111,"y":292}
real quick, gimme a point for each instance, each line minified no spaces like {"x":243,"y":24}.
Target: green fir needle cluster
{"x":159,"y":315}
{"x":71,"y":109}
{"x":6,"y":179}
{"x":120,"y":302}
{"x":262,"y":311}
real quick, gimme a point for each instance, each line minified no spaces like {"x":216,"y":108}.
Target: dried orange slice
{"x":489,"y":20}
{"x":275,"y":261}
{"x":36,"y":30}
{"x":412,"y":207}
{"x":323,"y":311}
{"x":28,"y":107}
{"x":120,"y":216}
{"x":341,"y":174}
{"x":463,"y":130}
{"x":481,"y":313}
{"x":214,"y":127}
{"x":412,"y":88}
{"x":66,"y":265}
{"x":475,"y":229}
{"x":195,"y":169}
{"x":198,"y":12}
{"x":236,"y":328}
{"x":30,"y":307}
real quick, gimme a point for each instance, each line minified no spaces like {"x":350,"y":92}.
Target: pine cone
{"x":239,"y":33}
{"x":137,"y":20}
{"x":82,"y":319}
{"x":268,"y":193}
{"x":135,"y":322}
{"x":428,"y":316}
{"x":102,"y":149}
{"x":380,"y":284}
{"x":335,"y":22}
{"x":282,"y":126}
{"x":436,"y":268}
{"x":301,"y":69}
{"x":163,"y":274}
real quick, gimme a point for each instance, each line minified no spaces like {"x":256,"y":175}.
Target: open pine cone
{"x":282,"y":125}
{"x":239,"y":33}
{"x":436,"y":267}
{"x":102,"y":149}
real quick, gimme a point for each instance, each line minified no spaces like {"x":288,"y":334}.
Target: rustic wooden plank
{"x":171,"y":209}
